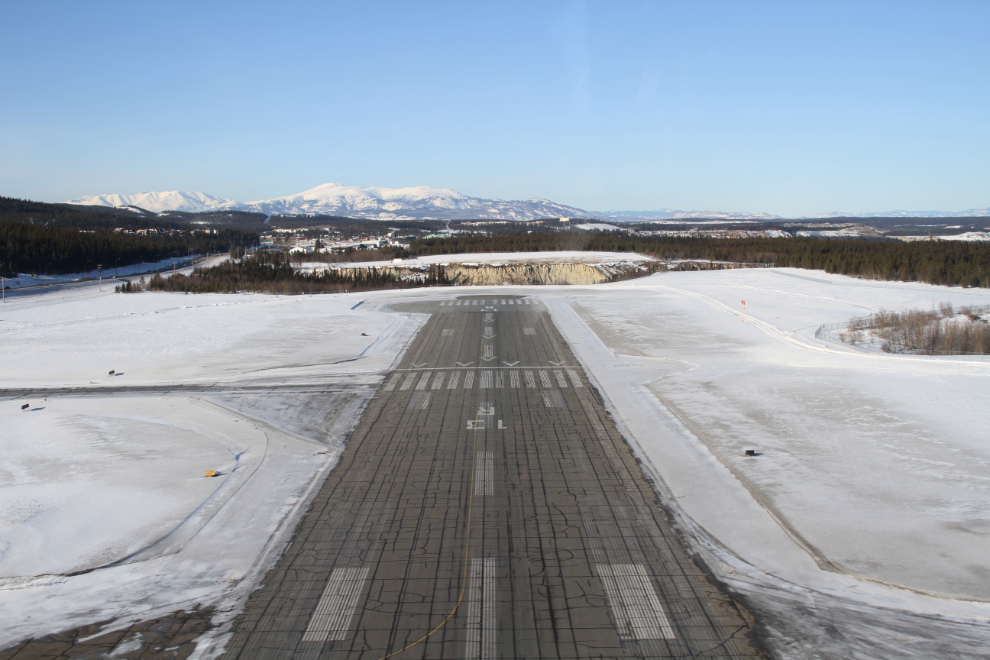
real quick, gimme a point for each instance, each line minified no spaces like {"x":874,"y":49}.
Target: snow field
{"x":868,"y":500}
{"x":119,"y":481}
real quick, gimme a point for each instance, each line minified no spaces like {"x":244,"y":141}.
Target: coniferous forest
{"x":56,"y":238}
{"x":953,"y":263}
{"x":271,"y":272}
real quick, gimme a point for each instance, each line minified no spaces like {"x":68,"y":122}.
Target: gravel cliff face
{"x":527,"y":274}
{"x":550,"y":273}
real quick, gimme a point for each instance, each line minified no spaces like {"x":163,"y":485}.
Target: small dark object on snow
{"x":25,"y":406}
{"x":111,"y":372}
{"x":364,"y":334}
{"x":751,"y":452}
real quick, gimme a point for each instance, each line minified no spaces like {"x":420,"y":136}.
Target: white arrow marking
{"x":510,"y":364}
{"x":555,"y":363}
{"x":464,"y":364}
{"x":420,"y":365}
{"x":488,"y":333}
{"x":487,"y":359}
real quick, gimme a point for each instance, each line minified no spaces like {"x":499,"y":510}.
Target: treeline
{"x":925,"y":332}
{"x":51,"y":238}
{"x":271,"y":272}
{"x":935,"y":262}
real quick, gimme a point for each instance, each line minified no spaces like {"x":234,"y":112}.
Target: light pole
{"x":99,"y":267}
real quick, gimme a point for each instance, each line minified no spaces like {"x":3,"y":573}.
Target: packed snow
{"x":858,"y":530}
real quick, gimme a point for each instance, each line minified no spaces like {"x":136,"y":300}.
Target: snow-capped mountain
{"x":173,"y":200}
{"x":421,"y":202}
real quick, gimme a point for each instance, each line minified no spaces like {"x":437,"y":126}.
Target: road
{"x":487,"y":507}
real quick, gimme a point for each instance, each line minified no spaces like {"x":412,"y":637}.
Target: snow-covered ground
{"x":119,"y":481}
{"x":868,"y":500}
{"x":859,"y":531}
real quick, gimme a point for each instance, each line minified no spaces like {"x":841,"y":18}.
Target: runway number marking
{"x":513,"y":379}
{"x":333,"y":614}
{"x":634,"y":602}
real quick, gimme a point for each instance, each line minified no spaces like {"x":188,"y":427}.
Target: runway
{"x":486,"y":507}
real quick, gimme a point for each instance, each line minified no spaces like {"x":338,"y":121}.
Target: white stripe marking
{"x":484,"y":466}
{"x":545,"y":379}
{"x":634,"y":601}
{"x":469,"y":380}
{"x":390,"y":385}
{"x":437,"y":382}
{"x":486,"y":380}
{"x":530,"y":381}
{"x":452,"y":383}
{"x":410,"y":379}
{"x":559,"y":375}
{"x":480,"y":624}
{"x":419,"y":401}
{"x":421,"y":385}
{"x":334,"y":612}
{"x":553,"y":398}
{"x":529,"y":331}
{"x":575,"y":379}
{"x":513,"y":379}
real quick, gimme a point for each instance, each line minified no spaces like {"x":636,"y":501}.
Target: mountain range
{"x":424,"y":202}
{"x":421,"y":202}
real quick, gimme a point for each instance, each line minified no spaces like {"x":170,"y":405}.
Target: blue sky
{"x":791,"y":108}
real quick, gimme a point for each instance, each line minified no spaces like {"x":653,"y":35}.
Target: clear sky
{"x":791,"y":108}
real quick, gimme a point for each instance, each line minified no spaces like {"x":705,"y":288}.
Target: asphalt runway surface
{"x":487,"y":507}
